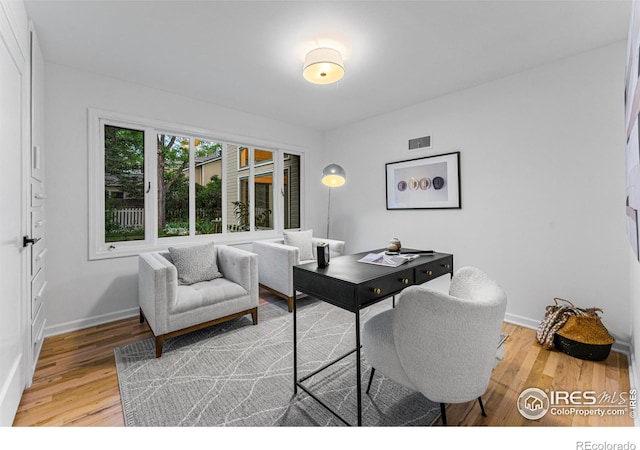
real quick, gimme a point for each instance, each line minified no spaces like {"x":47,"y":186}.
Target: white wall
{"x":543,"y":184}
{"x":82,"y":292}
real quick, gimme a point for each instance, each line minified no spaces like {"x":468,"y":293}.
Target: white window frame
{"x":99,"y":249}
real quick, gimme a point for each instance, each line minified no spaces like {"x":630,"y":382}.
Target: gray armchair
{"x":172,"y":308}
{"x":276,"y":261}
{"x":442,"y":345}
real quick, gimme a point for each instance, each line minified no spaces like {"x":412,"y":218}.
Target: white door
{"x":12,"y":265}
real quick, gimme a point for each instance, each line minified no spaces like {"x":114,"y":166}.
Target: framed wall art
{"x":432,"y":182}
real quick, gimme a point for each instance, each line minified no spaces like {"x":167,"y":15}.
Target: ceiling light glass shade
{"x":323,"y":66}
{"x":334,"y":176}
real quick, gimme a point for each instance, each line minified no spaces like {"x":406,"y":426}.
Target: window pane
{"x":208,"y":181}
{"x":291,"y":182}
{"x":262,"y":156}
{"x":173,"y":185}
{"x":237,"y":192}
{"x":263,"y":185}
{"x":124,"y":184}
{"x":243,"y":157}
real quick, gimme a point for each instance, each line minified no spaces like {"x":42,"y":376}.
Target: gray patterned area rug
{"x":240,"y":375}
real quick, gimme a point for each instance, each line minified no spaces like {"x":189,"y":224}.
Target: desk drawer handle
{"x":447,"y":266}
{"x":429,"y":272}
{"x":377,"y":290}
{"x":405,"y":281}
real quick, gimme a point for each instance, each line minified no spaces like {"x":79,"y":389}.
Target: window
{"x":291,"y":191}
{"x":257,"y":165}
{"x":157,"y":184}
{"x":176,"y":210}
{"x":123,"y":184}
{"x":173,"y":184}
{"x":208,"y":186}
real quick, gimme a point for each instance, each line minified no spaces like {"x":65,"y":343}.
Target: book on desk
{"x":387,"y":259}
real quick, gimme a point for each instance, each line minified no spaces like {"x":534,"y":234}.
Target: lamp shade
{"x":334,"y":176}
{"x":323,"y":66}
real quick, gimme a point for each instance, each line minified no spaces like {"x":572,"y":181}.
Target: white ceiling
{"x":248,"y":55}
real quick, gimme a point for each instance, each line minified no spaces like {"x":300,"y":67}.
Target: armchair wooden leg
{"x":290,"y":300}
{"x":443,"y":414}
{"x":373,"y":370}
{"x":482,"y":407}
{"x":159,"y":343}
{"x":254,"y":315}
{"x":141,"y":316}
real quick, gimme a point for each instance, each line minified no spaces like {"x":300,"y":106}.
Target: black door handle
{"x":26,"y":240}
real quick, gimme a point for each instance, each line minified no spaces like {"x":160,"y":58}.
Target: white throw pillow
{"x":302,"y":240}
{"x":195,"y":264}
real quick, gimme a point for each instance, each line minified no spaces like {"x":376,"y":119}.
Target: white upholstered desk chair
{"x":442,"y":345}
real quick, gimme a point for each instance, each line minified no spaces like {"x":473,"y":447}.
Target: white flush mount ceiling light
{"x":323,"y":66}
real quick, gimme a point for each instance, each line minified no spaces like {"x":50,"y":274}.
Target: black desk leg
{"x":358,"y":370}
{"x":295,"y":346}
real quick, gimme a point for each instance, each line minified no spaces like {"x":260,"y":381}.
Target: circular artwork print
{"x":413,"y":184}
{"x":438,"y":183}
{"x":424,"y":183}
{"x":402,"y":186}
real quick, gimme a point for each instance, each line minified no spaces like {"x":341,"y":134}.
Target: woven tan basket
{"x":584,"y":336}
{"x":587,"y":330}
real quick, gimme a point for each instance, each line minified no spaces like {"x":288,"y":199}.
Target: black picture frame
{"x":431,"y":182}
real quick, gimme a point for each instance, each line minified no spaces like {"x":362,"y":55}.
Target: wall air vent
{"x":419,"y":143}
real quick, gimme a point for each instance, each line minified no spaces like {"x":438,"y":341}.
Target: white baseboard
{"x":619,"y":346}
{"x":522,"y":321}
{"x":90,"y":322}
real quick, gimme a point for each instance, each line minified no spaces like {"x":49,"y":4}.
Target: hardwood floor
{"x":75,"y":382}
{"x":525,"y":365}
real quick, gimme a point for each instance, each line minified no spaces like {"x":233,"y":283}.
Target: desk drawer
{"x":327,"y":289}
{"x":385,"y":287}
{"x":428,"y":272}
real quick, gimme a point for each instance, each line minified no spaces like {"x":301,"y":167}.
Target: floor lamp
{"x":333,"y":176}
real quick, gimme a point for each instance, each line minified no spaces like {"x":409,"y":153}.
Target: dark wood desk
{"x":352,"y":285}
